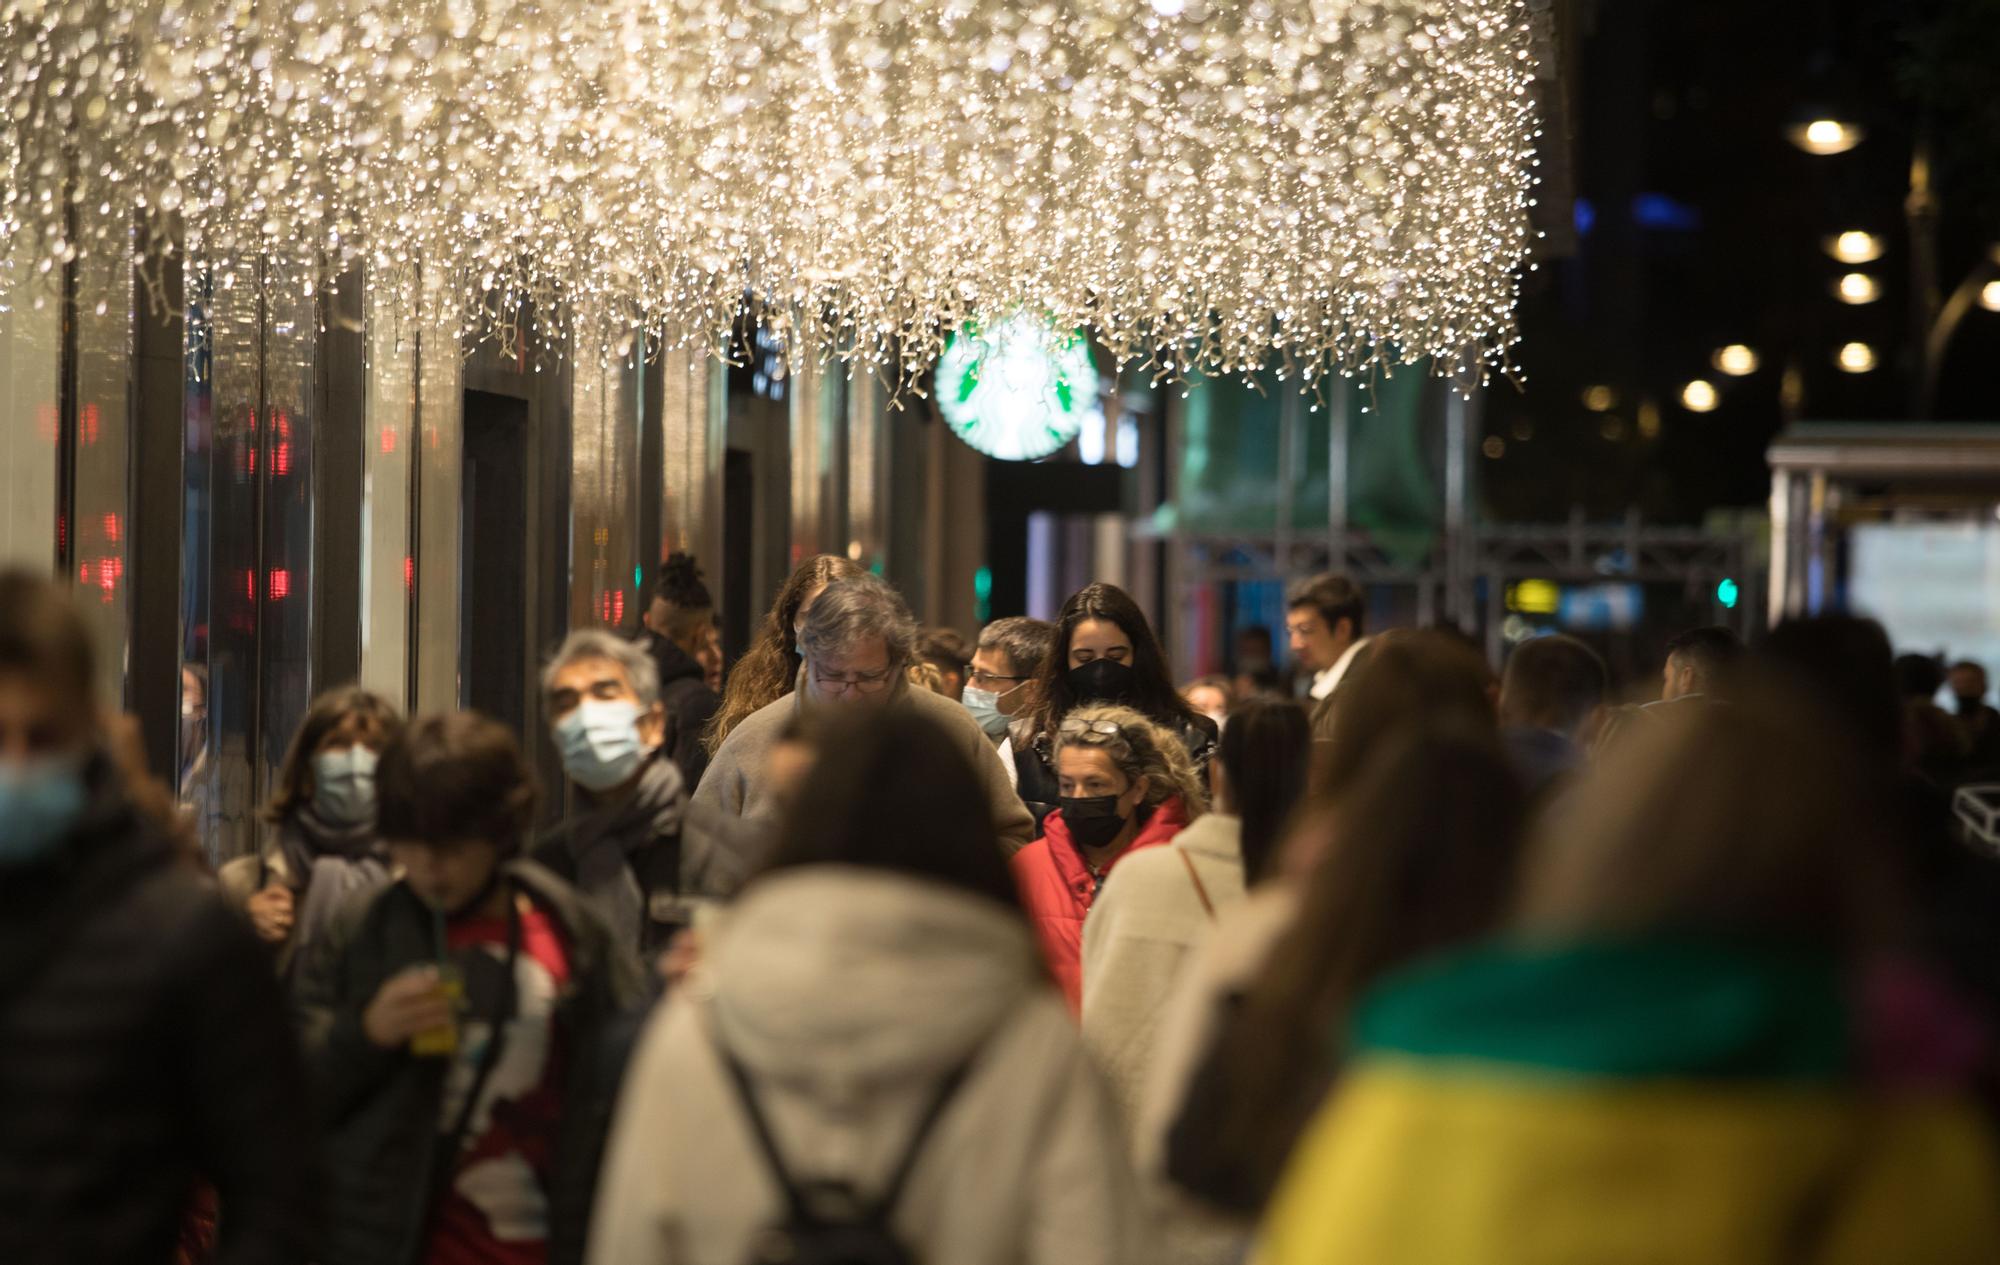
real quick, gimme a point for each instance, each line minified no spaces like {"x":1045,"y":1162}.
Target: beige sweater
{"x":848,"y":994}
{"x":1138,"y":944}
{"x":734,"y":785}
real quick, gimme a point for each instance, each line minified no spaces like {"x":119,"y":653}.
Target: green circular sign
{"x":1018,"y":391}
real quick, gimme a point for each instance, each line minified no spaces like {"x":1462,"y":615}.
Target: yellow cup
{"x":442,"y":1042}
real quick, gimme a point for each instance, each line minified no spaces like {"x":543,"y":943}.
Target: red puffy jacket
{"x":1059,"y":889}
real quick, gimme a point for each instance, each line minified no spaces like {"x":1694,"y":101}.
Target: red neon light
{"x":111,"y":528}
{"x":281,"y":459}
{"x":611,"y":607}
{"x":388,"y":440}
{"x":409,"y":574}
{"x":89,"y":424}
{"x":109,"y":572}
{"x":280,"y":585}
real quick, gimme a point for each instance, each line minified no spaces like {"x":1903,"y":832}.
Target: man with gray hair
{"x":620,"y":844}
{"x":857,"y":640}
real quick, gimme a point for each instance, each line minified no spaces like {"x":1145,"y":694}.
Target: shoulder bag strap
{"x":1200,"y":888}
{"x":947,"y":1089}
{"x":454,"y":1140}
{"x":760,"y":1128}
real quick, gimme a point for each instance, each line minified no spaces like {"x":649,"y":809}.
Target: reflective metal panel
{"x":604,"y":492}
{"x":224,"y":498}
{"x":867,"y":469}
{"x":387,"y":558}
{"x":30,"y":358}
{"x":440,"y":471}
{"x":100,"y":496}
{"x":818,"y":424}
{"x":284,"y":463}
{"x":691,"y":421}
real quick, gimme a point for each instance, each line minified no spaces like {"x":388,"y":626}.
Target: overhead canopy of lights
{"x":1215,"y":185}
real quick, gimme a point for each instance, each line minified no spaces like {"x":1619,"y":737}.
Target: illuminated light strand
{"x":1211,"y":186}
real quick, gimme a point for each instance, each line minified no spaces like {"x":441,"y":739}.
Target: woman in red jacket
{"x":1125,"y":783}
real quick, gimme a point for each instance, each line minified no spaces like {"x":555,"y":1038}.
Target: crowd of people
{"x":892,"y":946}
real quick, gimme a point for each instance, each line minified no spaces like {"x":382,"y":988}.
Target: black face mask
{"x":1103,"y":681}
{"x":1092,"y":822}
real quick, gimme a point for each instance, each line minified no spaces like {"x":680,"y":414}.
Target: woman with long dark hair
{"x":1699,"y":1041}
{"x":1162,"y":901}
{"x":1105,"y":653}
{"x":322,"y":845}
{"x":873,"y":1005}
{"x":770,"y":670}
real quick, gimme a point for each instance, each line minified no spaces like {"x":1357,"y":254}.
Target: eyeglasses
{"x":1077,"y":728}
{"x":859,"y":682}
{"x":983,"y":679}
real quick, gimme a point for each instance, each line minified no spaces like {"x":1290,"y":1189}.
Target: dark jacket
{"x":380,"y":1108}
{"x":1034,"y":761}
{"x":689,"y":705}
{"x":143,"y":1050}
{"x":627,"y":857}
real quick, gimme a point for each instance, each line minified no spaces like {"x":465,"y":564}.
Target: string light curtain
{"x":1217,"y":185}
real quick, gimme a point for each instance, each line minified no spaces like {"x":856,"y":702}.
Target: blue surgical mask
{"x":40,"y":803}
{"x":985,"y":708}
{"x":344,"y":786}
{"x":600,"y":743}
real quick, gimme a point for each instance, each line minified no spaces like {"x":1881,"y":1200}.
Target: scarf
{"x":603,"y":841}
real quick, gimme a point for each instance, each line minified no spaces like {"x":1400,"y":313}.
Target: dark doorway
{"x":739,"y":532}
{"x":493,"y":525}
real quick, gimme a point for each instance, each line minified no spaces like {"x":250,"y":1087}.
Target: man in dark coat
{"x":677,"y":624}
{"x":456,"y":1023}
{"x":624,"y":842}
{"x":144,"y":1052}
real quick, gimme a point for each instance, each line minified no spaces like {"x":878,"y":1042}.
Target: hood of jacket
{"x":841,"y":979}
{"x":1685,"y":1007}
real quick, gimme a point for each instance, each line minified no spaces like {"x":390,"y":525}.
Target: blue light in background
{"x":1586,"y":216}
{"x":1728,"y":593}
{"x":1657,"y":210}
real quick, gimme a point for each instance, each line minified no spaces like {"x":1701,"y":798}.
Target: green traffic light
{"x":1727,"y":593}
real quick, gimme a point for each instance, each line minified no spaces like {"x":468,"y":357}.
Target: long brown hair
{"x":770,"y":670}
{"x":1154,"y":695}
{"x":327,"y":713}
{"x":889,"y":791}
{"x":1759,"y":818}
{"x":1428,"y":840}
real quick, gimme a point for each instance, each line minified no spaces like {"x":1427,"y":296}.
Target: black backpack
{"x":828,"y":1222}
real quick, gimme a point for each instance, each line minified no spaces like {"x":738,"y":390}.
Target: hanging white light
{"x":1327,"y":184}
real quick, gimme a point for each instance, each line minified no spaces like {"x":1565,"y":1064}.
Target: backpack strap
{"x":1200,"y":888}
{"x":796,"y":1205}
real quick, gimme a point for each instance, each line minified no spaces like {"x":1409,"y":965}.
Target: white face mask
{"x":600,"y":743}
{"x":344,"y":786}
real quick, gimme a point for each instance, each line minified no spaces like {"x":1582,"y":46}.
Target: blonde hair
{"x":1140,"y":748}
{"x":925,"y":675}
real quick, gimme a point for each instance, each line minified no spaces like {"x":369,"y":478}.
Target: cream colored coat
{"x":1142,"y":936}
{"x":847,"y":994}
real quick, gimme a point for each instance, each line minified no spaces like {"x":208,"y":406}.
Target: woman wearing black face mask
{"x":1124,"y":784}
{"x":1105,"y":652}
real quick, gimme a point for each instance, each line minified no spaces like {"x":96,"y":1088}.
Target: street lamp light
{"x":1858,"y":287}
{"x":1737,"y":361}
{"x":1856,"y":358}
{"x":1700,"y":396}
{"x":1989,"y":296}
{"x":1855,"y":247}
{"x":1826,"y":136}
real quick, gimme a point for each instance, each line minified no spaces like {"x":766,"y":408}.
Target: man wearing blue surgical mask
{"x":621,"y":842}
{"x":1001,"y":682}
{"x":145,"y":1046}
